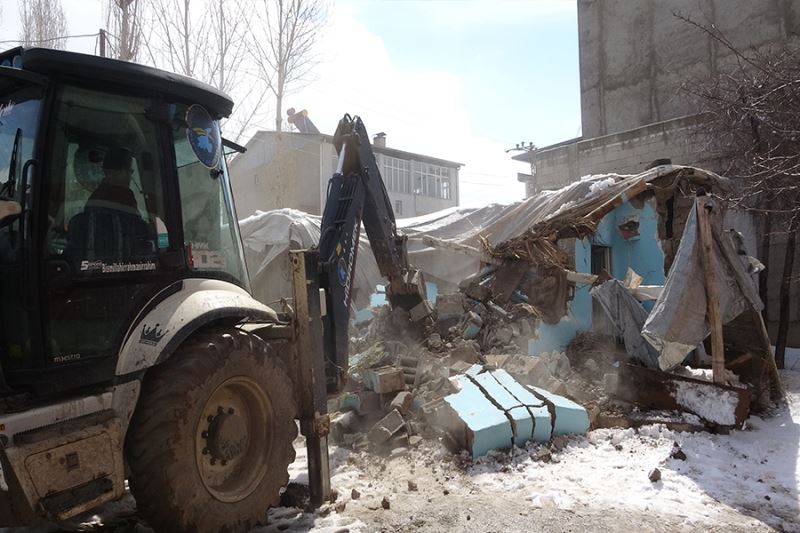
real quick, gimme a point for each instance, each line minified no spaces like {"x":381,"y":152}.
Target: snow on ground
{"x":745,"y":481}
{"x":755,"y":472}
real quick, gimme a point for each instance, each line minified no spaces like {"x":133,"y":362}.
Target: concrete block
{"x":449,"y":306}
{"x":539,"y":412}
{"x":361,"y":402}
{"x":386,"y":427}
{"x":420,"y":311}
{"x":611,"y":383}
{"x":467,"y":352}
{"x":385,"y":379}
{"x":459,"y":367}
{"x":403,"y":402}
{"x":569,"y":417}
{"x":517,"y":414}
{"x":475,"y":422}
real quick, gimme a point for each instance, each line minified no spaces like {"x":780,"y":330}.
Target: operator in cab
{"x":114,"y":192}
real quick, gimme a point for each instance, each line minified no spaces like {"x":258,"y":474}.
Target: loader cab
{"x":113,"y":189}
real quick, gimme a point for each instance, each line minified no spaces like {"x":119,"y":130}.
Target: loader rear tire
{"x":211,"y":438}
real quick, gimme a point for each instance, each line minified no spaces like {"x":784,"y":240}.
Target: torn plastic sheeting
{"x":268,"y":237}
{"x":678,"y":320}
{"x":628,"y":316}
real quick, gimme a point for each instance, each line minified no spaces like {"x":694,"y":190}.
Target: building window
{"x":256,"y":179}
{"x":398,"y":207}
{"x":432,"y":180}
{"x":397,"y":174}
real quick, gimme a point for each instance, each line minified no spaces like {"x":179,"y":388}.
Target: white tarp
{"x":677,"y":323}
{"x":269,"y":235}
{"x":628,"y":316}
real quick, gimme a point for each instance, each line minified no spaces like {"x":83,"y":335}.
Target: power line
{"x":51,"y":39}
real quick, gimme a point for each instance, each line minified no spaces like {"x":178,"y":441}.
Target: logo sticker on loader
{"x":203,"y":135}
{"x":151,"y":335}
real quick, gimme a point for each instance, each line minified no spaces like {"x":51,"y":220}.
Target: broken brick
{"x":383,"y":430}
{"x":385,"y":379}
{"x":403,"y":402}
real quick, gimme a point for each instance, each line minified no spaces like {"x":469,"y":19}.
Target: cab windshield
{"x":210,"y":227}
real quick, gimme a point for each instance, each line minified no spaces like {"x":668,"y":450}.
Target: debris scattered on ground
{"x":654,"y":475}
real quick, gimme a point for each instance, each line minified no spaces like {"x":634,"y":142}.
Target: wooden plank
{"x":776,"y":387}
{"x":507,"y":278}
{"x":654,"y":389}
{"x":704,"y":207}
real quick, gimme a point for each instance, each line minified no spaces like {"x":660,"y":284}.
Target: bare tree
{"x":125,"y":22}
{"x":752,"y":109}
{"x":43,"y":23}
{"x":180,"y":35}
{"x":284,"y":40}
{"x":208,"y":40}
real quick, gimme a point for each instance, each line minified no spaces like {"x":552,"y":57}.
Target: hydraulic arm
{"x":356,"y":196}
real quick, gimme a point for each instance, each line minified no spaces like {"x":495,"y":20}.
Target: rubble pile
{"x":467,"y":379}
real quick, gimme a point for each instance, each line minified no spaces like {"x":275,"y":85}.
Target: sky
{"x":461,"y":80}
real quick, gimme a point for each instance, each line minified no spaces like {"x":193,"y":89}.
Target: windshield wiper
{"x":10,"y":186}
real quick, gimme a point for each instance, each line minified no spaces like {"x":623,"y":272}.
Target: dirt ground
{"x":745,"y":481}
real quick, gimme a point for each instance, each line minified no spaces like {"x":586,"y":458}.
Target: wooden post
{"x":102,"y":43}
{"x":704,"y":207}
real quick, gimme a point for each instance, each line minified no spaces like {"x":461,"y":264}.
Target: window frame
{"x":164,"y":165}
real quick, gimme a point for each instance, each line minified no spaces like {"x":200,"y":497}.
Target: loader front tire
{"x":211,"y":438}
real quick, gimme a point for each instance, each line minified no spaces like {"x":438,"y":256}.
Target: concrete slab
{"x":476,"y":423}
{"x":542,"y":423}
{"x":569,"y":416}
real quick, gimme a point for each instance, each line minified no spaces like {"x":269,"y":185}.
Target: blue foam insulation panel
{"x":542,"y":424}
{"x":492,"y":411}
{"x":485,"y":427}
{"x":570,"y":417}
{"x":518,"y":415}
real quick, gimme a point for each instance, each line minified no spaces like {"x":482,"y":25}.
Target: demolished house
{"x":524,"y":292}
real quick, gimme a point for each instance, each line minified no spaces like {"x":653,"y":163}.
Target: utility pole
{"x":531,"y":150}
{"x":102,"y":37}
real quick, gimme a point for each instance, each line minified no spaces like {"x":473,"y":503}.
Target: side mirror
{"x":9,"y":212}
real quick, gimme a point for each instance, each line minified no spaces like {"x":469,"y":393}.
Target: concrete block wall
{"x":635,"y":55}
{"x":628,"y":152}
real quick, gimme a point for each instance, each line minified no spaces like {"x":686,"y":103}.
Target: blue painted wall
{"x":642,"y":253}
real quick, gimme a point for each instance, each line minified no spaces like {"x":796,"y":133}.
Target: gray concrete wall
{"x":634,"y":54}
{"x":628,"y":152}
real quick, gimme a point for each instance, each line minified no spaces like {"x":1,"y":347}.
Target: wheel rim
{"x":234,"y":438}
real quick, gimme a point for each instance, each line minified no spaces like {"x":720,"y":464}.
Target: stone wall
{"x":628,"y":152}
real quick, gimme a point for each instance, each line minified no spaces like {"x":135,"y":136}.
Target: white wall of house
{"x":292,"y":170}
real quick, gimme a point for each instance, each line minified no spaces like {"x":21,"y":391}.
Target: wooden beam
{"x":704,"y":207}
{"x":776,"y":387}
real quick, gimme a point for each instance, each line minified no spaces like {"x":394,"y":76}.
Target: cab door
{"x":21,"y":102}
{"x":109,"y":247}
